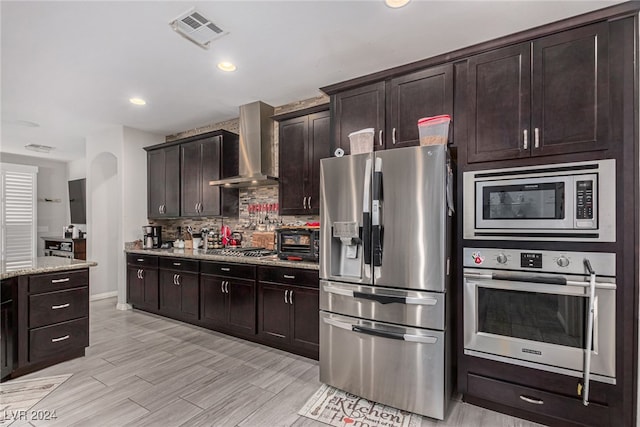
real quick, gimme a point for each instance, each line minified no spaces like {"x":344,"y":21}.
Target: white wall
{"x":52,"y":184}
{"x":76,"y":169}
{"x":116,"y":168}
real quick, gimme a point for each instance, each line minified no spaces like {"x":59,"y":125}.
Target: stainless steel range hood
{"x":256,"y":165}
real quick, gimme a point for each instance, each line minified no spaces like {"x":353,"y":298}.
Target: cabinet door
{"x":570,"y":107}
{"x":273,"y":312}
{"x":189,"y":293}
{"x":172,"y":181}
{"x":293,"y":146}
{"x":213,"y":300}
{"x":155,"y":183}
{"x":169,"y":292}
{"x":319,"y":148}
{"x":150,"y":284}
{"x":135,"y":286}
{"x":357,"y":109}
{"x":499,"y":104}
{"x":414,"y":96}
{"x":191,"y":178}
{"x":241,"y":297}
{"x":210,"y":166}
{"x":6,"y":338}
{"x":305,"y":320}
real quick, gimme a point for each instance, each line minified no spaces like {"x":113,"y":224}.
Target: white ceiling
{"x":72,"y":66}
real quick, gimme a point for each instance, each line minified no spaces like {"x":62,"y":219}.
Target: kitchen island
{"x":45,"y":313}
{"x":262,"y":299}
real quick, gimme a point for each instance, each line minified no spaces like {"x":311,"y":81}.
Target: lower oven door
{"x":395,"y":365}
{"x":540,"y":325}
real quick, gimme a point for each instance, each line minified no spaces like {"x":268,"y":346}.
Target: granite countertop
{"x":201,"y":254}
{"x":45,"y":264}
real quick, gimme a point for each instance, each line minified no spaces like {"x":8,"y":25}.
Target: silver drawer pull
{"x":421,"y":301}
{"x":66,"y":337}
{"x":56,"y":307}
{"x":140,"y":260}
{"x":532,"y":400}
{"x":177,"y":263}
{"x":337,"y":291}
{"x":66,"y":279}
{"x":420,"y":339}
{"x":225,"y":269}
{"x":287,"y":276}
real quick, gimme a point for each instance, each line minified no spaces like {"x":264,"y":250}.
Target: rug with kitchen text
{"x":341,"y":409}
{"x":17,"y":397}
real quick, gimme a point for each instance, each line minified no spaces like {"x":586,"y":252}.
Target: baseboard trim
{"x":103,"y":296}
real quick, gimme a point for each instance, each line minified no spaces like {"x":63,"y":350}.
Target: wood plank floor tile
{"x":171,"y":415}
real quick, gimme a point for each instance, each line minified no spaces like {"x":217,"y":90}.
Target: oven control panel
{"x":565,"y":262}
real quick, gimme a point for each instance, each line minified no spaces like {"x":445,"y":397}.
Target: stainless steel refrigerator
{"x":384,"y":271}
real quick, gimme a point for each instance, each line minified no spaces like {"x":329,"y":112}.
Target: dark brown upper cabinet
{"x":355,"y":109}
{"x":302,"y":142}
{"x":546,"y":97}
{"x":179,"y":173}
{"x":163,"y":182}
{"x":421,"y":94}
{"x":201,"y":162}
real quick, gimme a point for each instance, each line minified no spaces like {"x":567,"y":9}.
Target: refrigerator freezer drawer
{"x":413,"y":308}
{"x":393,"y":365}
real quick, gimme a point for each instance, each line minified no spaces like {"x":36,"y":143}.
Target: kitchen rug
{"x":17,"y":397}
{"x":341,"y":409}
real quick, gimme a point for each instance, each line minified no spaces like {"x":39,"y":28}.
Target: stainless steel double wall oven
{"x":553,"y":310}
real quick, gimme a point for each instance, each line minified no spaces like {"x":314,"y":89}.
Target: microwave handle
{"x":589,"y":343}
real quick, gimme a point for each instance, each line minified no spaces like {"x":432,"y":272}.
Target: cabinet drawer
{"x":60,"y":306}
{"x":229,"y":270}
{"x":181,"y":264}
{"x":537,"y":401}
{"x":289,"y":276}
{"x":58,"y":281}
{"x":55,"y":340}
{"x":142,"y":260}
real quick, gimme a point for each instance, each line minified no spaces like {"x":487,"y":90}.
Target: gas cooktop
{"x":240,"y":252}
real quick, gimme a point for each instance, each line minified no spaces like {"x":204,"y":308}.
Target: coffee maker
{"x":152,"y":236}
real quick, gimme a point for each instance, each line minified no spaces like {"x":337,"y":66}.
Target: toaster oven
{"x":299,"y":243}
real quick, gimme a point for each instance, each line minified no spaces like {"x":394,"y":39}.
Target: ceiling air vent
{"x":39,"y":148}
{"x":196,"y":28}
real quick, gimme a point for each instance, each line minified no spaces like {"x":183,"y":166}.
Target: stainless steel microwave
{"x":569,"y":201}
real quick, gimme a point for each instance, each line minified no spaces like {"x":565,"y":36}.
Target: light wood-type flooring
{"x":144,"y":370}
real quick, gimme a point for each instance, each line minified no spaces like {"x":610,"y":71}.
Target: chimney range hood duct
{"x":256,"y":148}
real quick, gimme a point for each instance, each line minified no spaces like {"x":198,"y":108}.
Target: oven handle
{"x":426,"y":339}
{"x":590,"y":315}
{"x":537,"y":279}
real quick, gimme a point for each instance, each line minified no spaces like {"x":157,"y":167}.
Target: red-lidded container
{"x":434,"y":130}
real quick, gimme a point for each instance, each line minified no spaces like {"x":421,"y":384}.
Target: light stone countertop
{"x":47,"y":264}
{"x":272,"y":260}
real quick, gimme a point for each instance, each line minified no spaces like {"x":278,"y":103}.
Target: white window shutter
{"x":19,"y":216}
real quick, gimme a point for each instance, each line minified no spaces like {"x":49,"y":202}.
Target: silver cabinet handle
{"x":222,"y":287}
{"x":66,"y":279}
{"x":141,"y":273}
{"x":536,"y":138}
{"x":309,"y":202}
{"x":226,"y":286}
{"x":196,"y":207}
{"x":532,"y":400}
{"x":57,"y":307}
{"x":285,"y":296}
{"x":201,"y":209}
{"x":138,"y":274}
{"x":178,"y":279}
{"x":304,"y":202}
{"x":174,"y":279}
{"x":159,"y":209}
{"x":525,"y":137}
{"x":177,"y":263}
{"x":288,"y":276}
{"x":393,"y":136}
{"x":225,"y":269}
{"x":380,"y":137}
{"x":66,"y":337}
{"x":140,"y":260}
{"x":291,"y":297}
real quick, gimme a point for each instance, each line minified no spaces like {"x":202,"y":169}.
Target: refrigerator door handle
{"x":376,"y":214}
{"x":366,"y":213}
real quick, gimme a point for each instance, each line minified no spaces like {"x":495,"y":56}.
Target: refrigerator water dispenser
{"x":346,"y":242}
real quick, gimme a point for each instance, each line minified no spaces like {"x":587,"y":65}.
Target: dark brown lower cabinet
{"x":288,"y":313}
{"x":7,"y":327}
{"x":228,"y":303}
{"x":179,"y":294}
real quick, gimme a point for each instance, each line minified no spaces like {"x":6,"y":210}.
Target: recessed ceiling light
{"x":396,"y":3}
{"x":137,"y":101}
{"x":227,"y":66}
